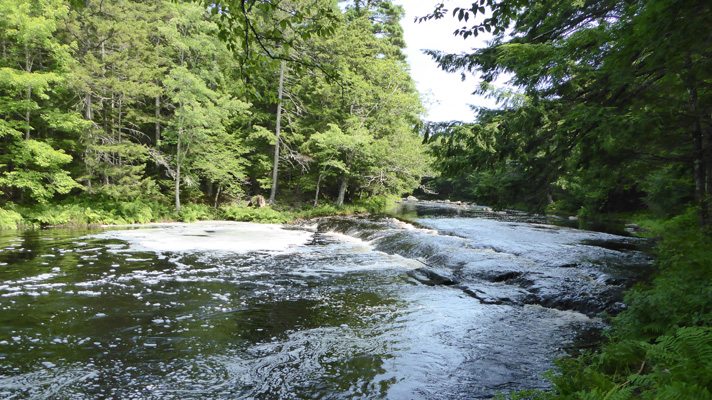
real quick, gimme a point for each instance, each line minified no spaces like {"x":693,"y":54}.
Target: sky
{"x":445,"y":95}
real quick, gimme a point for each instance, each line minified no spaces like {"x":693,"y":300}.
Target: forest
{"x":128,"y":111}
{"x":131,"y":111}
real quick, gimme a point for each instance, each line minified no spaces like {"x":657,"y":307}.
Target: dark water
{"x":453,"y":307}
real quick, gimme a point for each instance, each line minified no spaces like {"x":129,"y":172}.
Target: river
{"x":459,"y":302}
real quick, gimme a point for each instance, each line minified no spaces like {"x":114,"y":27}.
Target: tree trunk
{"x":27,"y":113}
{"x":278,"y":128}
{"x":342,"y":191}
{"x":118,"y":127}
{"x":318,"y":186}
{"x":28,"y":68}
{"x":698,"y":153}
{"x":177,"y":186}
{"x":87,"y":107}
{"x":217,"y":196}
{"x":87,"y":116}
{"x":700,"y":171}
{"x":158,"y":121}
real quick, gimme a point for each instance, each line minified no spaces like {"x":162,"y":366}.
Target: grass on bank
{"x":99,"y":210}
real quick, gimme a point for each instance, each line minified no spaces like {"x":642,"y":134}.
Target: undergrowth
{"x":104,"y":210}
{"x":661,"y":346}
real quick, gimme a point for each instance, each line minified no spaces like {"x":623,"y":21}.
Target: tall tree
{"x":33,"y":70}
{"x":116,"y":75}
{"x":617,"y":92}
{"x":200,"y":111}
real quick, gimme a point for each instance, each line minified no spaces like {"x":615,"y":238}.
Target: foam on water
{"x":233,"y":310}
{"x":238,"y":237}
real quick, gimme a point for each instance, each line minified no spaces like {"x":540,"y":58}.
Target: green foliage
{"x":608,"y":109}
{"x":266,"y":215}
{"x":41,"y":174}
{"x":322,"y":210}
{"x":192,"y":212}
{"x":93,"y":210}
{"x":134,"y":102}
{"x":674,"y":299}
{"x":9,"y":219}
{"x":661,"y":346}
{"x":65,"y":214}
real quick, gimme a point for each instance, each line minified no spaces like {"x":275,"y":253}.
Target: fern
{"x":9,"y":219}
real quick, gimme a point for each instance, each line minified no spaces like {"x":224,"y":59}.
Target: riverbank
{"x":660,"y":347}
{"x":106,"y":211}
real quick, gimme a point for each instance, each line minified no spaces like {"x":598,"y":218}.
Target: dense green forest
{"x":608,"y":110}
{"x":133,"y":111}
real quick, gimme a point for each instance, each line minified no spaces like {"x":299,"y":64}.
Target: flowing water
{"x":459,"y":303}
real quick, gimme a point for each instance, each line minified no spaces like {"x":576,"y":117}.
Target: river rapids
{"x":456,"y":303}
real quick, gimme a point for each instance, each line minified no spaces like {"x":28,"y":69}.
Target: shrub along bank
{"x":661,"y":346}
{"x":104,"y":210}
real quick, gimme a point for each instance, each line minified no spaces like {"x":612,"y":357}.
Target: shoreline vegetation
{"x":75,"y":215}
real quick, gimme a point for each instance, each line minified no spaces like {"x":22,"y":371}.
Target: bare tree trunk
{"x":318,"y":186}
{"x":177,"y":183}
{"x":217,"y":196}
{"x":119,"y":128}
{"x":87,"y":116}
{"x":27,"y":113}
{"x":342,"y":191}
{"x":158,"y":121}
{"x":698,"y":155}
{"x":28,"y":68}
{"x":278,"y":129}
{"x":87,"y":107}
{"x":700,"y":172}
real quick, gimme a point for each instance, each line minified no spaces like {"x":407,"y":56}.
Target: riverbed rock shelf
{"x":510,"y":263}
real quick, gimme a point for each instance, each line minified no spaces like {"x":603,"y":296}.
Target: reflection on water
{"x":89,"y":314}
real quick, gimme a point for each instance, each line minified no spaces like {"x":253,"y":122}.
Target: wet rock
{"x":430,"y":277}
{"x":504,"y":276}
{"x":513,"y":261}
{"x":412,"y":198}
{"x":633,"y":229}
{"x":496,"y":294}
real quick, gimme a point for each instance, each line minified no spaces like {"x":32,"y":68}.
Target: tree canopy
{"x":126,"y":99}
{"x":611,"y":107}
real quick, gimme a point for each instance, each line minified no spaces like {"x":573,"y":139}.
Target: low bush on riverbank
{"x":661,"y":346}
{"x":97,"y":210}
{"x":265,"y":215}
{"x":9,"y":219}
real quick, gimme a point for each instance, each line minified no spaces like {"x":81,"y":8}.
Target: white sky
{"x":445,"y":95}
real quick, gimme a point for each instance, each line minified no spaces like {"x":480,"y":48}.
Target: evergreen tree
{"x":616,"y":93}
